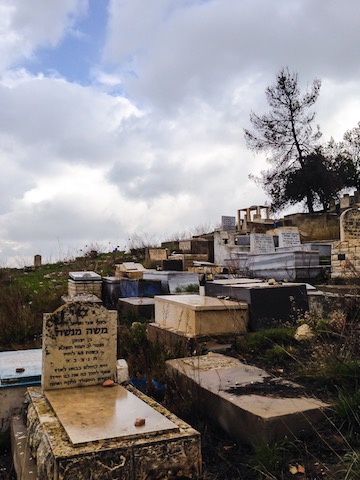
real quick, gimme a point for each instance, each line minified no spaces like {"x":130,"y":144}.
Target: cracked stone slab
{"x":231,"y":393}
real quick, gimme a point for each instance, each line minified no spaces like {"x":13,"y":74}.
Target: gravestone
{"x":289,"y":238}
{"x":261,"y":243}
{"x":350,"y":225}
{"x":84,"y":283}
{"x":37,"y":261}
{"x":78,"y":428}
{"x":228,"y":224}
{"x":79,"y":346}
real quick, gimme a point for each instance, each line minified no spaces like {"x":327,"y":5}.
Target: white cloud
{"x":25,"y":26}
{"x":151,"y":141}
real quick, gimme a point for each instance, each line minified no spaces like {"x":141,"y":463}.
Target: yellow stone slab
{"x":98,"y":413}
{"x":201,"y":315}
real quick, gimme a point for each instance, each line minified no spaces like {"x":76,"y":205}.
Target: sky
{"x":125,"y":119}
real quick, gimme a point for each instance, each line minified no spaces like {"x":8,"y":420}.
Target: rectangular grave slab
{"x":285,"y":266}
{"x":172,"y":281}
{"x":200,"y":315}
{"x":135,"y":309}
{"x":269,"y":305}
{"x":167,"y":453}
{"x":79,"y":346}
{"x":96,"y":413}
{"x":18,"y":370}
{"x":84,"y":276}
{"x":245,"y":401}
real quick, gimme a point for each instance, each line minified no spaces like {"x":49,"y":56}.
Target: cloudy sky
{"x":126,"y":116}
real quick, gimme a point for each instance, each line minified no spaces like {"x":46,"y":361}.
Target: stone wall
{"x":345,"y":259}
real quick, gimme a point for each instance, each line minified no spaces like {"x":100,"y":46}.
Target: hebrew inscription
{"x":261,"y":243}
{"x":79,"y":346}
{"x":289,"y":238}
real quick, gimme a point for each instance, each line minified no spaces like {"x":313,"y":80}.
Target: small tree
{"x":286,"y":133}
{"x":349,"y":149}
{"x":325,"y":176}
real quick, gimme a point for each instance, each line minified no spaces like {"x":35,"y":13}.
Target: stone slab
{"x":228,"y":223}
{"x":82,"y":297}
{"x":13,"y":383}
{"x":135,"y":309}
{"x":216,"y":383}
{"x":98,"y":413}
{"x":23,"y":461}
{"x":172,"y":281}
{"x":171,"y":454}
{"x":287,"y":265}
{"x":261,"y":243}
{"x":288,"y":238}
{"x":200,"y":315}
{"x":270,"y":305}
{"x":139,"y":288}
{"x":84,"y":276}
{"x":20,"y":367}
{"x":182,"y":344}
{"x":79,"y":346}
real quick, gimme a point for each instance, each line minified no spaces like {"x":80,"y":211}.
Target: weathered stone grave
{"x":270,"y":304}
{"x":291,"y":263}
{"x":345,"y":254}
{"x":154,"y":257}
{"x":79,"y":346}
{"x":84,"y":283}
{"x":246,"y":402}
{"x":136,"y":309}
{"x":190,"y":320}
{"x":78,"y":428}
{"x":132,"y":270}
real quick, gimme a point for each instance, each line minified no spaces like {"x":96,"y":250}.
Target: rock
{"x":108,"y":383}
{"x":139,"y":422}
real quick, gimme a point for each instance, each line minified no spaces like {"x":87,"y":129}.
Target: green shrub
{"x":262,"y":340}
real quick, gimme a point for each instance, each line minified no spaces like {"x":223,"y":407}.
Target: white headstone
{"x":261,"y":243}
{"x":289,"y":238}
{"x":79,"y":346}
